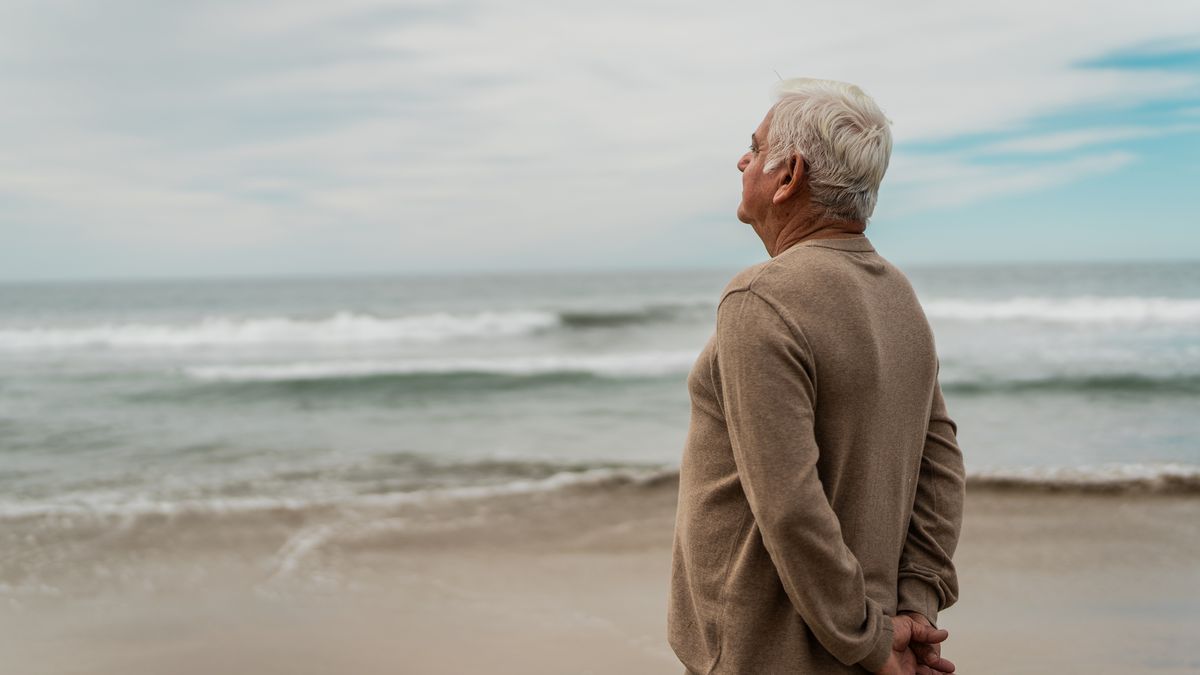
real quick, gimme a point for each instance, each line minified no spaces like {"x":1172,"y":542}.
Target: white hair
{"x":842,"y":137}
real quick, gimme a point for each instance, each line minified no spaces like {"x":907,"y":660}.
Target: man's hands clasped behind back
{"x":916,"y":647}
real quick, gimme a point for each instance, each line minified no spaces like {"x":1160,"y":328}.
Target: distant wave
{"x":648,"y":364}
{"x":1112,"y":479}
{"x":287,"y":534}
{"x":651,"y":313}
{"x":1073,"y":309}
{"x":111,"y":506}
{"x":339,"y":328}
{"x":1106,"y":478}
{"x":431,"y":375}
{"x":638,"y":364}
{"x":1080,"y":309}
{"x":1175,"y":383}
{"x":349,"y":327}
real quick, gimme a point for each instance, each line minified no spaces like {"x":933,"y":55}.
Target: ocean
{"x":126,"y":403}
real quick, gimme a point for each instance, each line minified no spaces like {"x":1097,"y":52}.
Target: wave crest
{"x":1142,"y":383}
{"x":1116,"y":479}
{"x":341,"y":328}
{"x":345,"y":327}
{"x":1081,"y":309}
{"x":1170,"y":478}
{"x":644,"y":364}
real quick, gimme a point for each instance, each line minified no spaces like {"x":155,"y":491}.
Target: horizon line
{"x":516,"y":271}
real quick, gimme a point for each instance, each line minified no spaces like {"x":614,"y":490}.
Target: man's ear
{"x":790,"y":179}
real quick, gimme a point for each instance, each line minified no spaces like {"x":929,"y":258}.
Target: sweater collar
{"x":859,"y":243}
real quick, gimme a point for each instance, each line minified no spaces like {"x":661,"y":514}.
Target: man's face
{"x":757,"y":188}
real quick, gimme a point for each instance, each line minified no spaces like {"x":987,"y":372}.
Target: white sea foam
{"x":356,"y":328}
{"x":1150,"y":476}
{"x":340,"y":328}
{"x":1080,"y":309}
{"x":643,"y":364}
{"x":109,"y":505}
{"x":1120,"y":477}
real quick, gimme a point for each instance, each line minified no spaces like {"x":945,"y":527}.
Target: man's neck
{"x":799,"y":229}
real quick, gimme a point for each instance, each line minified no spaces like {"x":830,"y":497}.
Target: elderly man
{"x":821,"y":486}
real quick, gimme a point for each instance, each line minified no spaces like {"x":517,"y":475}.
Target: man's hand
{"x":927,"y":653}
{"x":909,"y":634}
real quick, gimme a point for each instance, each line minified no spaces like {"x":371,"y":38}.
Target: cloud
{"x":1079,"y":138}
{"x":928,"y":183}
{"x":413,"y":135}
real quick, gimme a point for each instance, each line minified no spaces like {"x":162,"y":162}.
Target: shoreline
{"x":576,"y":581}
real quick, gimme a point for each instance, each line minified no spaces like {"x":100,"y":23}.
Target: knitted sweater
{"x":821,"y":485}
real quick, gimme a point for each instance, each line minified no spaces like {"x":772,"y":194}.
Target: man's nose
{"x":743,"y":162}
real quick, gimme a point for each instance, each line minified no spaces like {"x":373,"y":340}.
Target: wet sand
{"x":576,"y":582}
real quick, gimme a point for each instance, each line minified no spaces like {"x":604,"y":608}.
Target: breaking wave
{"x":341,"y":328}
{"x":1080,"y":309}
{"x":1106,"y":478}
{"x":349,"y":327}
{"x":1135,"y":478}
{"x":541,"y":482}
{"x":1174,"y":383}
{"x":628,"y":365}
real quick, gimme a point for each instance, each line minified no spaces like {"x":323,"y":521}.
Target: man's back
{"x":811,"y":412}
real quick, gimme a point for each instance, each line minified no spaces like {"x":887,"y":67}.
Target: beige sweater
{"x":821,"y":486}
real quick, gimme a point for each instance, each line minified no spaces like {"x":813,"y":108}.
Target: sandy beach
{"x":470,"y":473}
{"x":575,"y":581}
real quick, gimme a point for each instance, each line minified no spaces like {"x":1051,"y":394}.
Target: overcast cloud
{"x":160,"y":137}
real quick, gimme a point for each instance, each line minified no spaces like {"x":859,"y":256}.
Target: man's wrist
{"x":881,"y":649}
{"x":917,"y":615}
{"x":917,"y":596}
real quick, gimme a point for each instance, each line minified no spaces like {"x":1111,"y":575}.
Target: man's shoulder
{"x":743,"y":280}
{"x":784,"y":276}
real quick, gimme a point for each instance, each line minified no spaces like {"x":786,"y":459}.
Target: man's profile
{"x":821,"y":483}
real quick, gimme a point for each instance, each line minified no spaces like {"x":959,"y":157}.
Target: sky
{"x":161,"y":138}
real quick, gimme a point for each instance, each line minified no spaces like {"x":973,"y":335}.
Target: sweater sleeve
{"x":768,"y":398}
{"x":927,"y":581}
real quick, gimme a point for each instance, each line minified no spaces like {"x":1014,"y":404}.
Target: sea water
{"x":120,"y":398}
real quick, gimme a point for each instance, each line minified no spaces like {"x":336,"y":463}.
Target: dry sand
{"x":576,"y":583}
